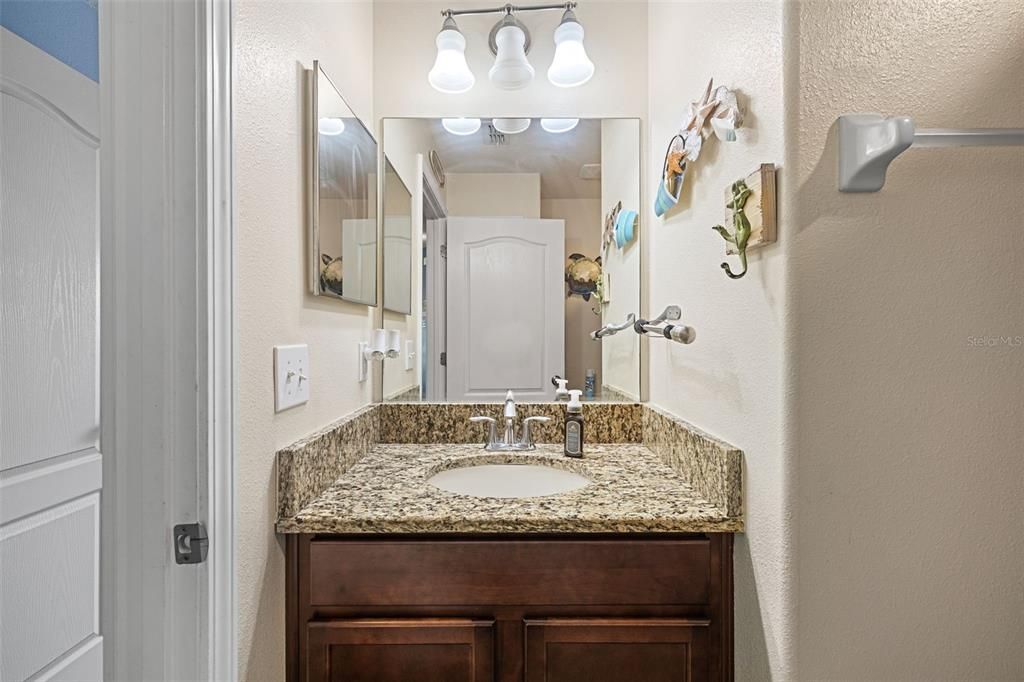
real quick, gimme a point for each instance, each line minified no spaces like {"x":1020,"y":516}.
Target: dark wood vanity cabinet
{"x":580,"y":608}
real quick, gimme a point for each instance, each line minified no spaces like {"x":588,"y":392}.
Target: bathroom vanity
{"x":392,"y":578}
{"x":539,"y":608}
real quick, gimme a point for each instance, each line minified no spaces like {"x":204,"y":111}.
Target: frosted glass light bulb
{"x":511,"y":70}
{"x":571,"y":66}
{"x":330,"y":126}
{"x":461,"y":126}
{"x":559,"y":125}
{"x":511,"y":126}
{"x":451,"y":74}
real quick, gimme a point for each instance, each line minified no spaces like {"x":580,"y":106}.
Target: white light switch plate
{"x":291,"y":376}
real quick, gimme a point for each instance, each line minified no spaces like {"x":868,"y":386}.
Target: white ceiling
{"x":557,"y":157}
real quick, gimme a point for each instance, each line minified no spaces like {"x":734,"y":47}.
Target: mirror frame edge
{"x":312,"y":176}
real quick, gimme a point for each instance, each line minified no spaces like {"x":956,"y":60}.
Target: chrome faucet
{"x":525,"y":441}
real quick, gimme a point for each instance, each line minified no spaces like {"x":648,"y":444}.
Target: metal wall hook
{"x":612,"y":329}
{"x":741,"y":229}
{"x":657,"y":328}
{"x":743,"y":262}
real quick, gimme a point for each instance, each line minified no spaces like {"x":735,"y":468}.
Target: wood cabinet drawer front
{"x":612,"y":650}
{"x":453,"y":650}
{"x":480,"y":572}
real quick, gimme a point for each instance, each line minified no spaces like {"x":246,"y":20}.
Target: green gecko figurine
{"x":740,"y":194}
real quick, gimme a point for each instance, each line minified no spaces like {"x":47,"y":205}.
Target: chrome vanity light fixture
{"x":510,"y":43}
{"x":450,"y":73}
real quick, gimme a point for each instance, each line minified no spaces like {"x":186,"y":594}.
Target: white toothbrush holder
{"x":376,"y":349}
{"x":394,"y":344}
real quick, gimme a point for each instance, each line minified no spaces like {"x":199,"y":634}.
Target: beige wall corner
{"x":273,"y":43}
{"x":730,"y":381}
{"x":906,"y":304}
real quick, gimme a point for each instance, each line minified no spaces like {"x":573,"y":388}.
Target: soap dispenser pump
{"x":574,"y":425}
{"x":562,"y":390}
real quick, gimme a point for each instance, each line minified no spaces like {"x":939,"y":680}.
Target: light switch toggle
{"x":291,"y":376}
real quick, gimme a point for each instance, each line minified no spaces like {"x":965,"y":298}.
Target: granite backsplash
{"x":306,"y":469}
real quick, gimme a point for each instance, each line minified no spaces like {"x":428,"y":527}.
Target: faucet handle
{"x":527,"y":439}
{"x":492,"y":435}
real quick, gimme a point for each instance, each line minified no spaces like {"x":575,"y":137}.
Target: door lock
{"x":190,"y":543}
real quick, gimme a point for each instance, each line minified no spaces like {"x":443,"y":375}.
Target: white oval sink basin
{"x":508,"y":480}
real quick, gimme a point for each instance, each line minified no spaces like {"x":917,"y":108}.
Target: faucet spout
{"x":510,"y":405}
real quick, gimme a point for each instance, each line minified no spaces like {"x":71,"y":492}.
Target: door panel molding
{"x":84,"y":662}
{"x":50,"y":588}
{"x":75,"y":96}
{"x":49,"y":243}
{"x":50,"y":463}
{"x":34,"y":487}
{"x":505,"y":307}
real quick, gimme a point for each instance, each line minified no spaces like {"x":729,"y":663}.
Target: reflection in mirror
{"x":400,"y":375}
{"x":530,"y":241}
{"x":343,"y":197}
{"x":397,"y":242}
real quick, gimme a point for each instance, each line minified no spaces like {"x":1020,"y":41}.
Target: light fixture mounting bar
{"x":508,"y":9}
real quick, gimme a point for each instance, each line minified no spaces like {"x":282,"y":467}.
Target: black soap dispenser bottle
{"x":574,"y":425}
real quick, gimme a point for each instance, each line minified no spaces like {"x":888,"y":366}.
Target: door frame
{"x":222,"y":612}
{"x":435,"y":235}
{"x":436,"y":295}
{"x":168,"y":399}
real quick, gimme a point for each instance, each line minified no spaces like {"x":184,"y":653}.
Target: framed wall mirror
{"x":529,"y":239}
{"x":342,"y":197}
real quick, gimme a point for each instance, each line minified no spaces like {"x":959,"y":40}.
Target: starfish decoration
{"x":676,"y":163}
{"x":700,"y":110}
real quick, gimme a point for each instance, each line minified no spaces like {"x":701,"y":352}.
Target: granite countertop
{"x":386,"y":491}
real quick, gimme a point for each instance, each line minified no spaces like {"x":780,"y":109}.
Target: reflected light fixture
{"x":510,"y":43}
{"x":450,"y":73}
{"x":510,"y":126}
{"x":559,"y":125}
{"x":461,"y":126}
{"x":571,"y":66}
{"x":511,"y":70}
{"x":330,"y":126}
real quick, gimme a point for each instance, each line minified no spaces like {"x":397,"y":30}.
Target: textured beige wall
{"x":274,"y":42}
{"x":621,"y":165}
{"x":908,"y":432}
{"x":582,"y":235}
{"x":404,"y":140}
{"x":730,"y":381}
{"x":501,"y":195}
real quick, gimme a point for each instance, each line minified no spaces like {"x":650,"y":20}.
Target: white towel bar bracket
{"x":869,"y":142}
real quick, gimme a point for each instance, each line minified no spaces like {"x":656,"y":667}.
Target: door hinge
{"x":444,"y":359}
{"x":444,"y":250}
{"x":190,"y":543}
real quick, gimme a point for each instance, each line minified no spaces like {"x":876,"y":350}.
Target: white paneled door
{"x":50,"y":463}
{"x":506,"y":309}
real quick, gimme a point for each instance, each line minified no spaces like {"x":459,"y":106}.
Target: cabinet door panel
{"x":616,"y":650}
{"x":398,"y":650}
